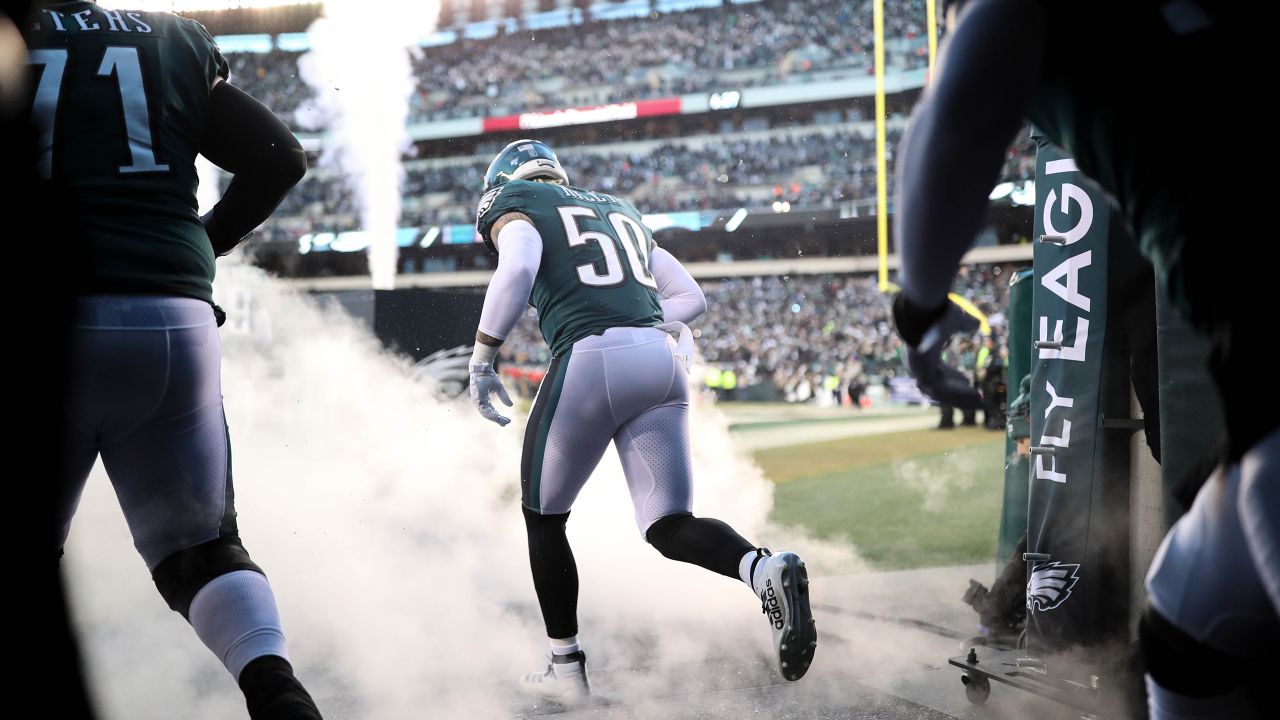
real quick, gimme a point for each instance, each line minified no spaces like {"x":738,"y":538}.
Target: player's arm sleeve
{"x":682,"y":299}
{"x":519,"y":257}
{"x":244,"y":138}
{"x":950,"y":157}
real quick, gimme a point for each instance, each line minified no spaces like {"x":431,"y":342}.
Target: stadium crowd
{"x":676,"y":176}
{"x":693,"y":51}
{"x":810,"y":170}
{"x":807,"y":170}
{"x":801,"y":335}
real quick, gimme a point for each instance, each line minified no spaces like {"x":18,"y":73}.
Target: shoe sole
{"x":799,"y":637}
{"x":567,"y":699}
{"x":569,"y":696}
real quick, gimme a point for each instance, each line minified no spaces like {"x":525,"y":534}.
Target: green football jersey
{"x":120,"y":101}
{"x":1131,"y":108}
{"x":595,"y":272}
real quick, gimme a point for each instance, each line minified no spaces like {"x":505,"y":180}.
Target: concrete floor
{"x":883,"y":655}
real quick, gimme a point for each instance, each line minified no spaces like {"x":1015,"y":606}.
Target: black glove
{"x":222,"y":244}
{"x":926,"y":332}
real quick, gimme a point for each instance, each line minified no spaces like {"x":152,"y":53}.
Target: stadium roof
{"x":224,"y":17}
{"x":190,"y":5}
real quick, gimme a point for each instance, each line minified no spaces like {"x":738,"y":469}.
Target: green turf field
{"x":905,"y":499}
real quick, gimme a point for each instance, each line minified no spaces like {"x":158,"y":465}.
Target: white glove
{"x":684,"y":342}
{"x":484,"y":382}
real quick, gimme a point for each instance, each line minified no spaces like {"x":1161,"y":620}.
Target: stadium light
{"x":736,"y":220}
{"x":430,"y":237}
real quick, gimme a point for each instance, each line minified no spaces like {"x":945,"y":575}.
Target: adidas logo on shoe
{"x":770,"y":604}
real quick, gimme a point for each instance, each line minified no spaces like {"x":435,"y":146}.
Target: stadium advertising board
{"x":583,"y":115}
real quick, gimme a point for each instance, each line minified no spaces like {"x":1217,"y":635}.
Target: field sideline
{"x":906,"y":498}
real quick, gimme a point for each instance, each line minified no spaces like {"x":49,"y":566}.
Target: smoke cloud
{"x":389,"y":525}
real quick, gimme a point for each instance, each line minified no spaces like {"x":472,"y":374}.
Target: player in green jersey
{"x":607,"y":299}
{"x":1129,"y":92}
{"x":123,"y":101}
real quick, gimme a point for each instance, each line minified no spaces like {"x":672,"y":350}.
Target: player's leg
{"x":96,"y":389}
{"x":568,"y":431}
{"x":1242,"y":361}
{"x":172,"y":475}
{"x":1210,"y":625}
{"x":649,"y":387}
{"x":1260,"y":511}
{"x":1213,"y":615}
{"x":80,"y":452}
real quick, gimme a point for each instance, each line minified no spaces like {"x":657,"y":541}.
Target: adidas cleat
{"x":565,"y":679}
{"x":784,"y":597}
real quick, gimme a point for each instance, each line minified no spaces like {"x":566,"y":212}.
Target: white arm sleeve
{"x":519,"y":255}
{"x":682,"y":299}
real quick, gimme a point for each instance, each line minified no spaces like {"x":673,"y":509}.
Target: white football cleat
{"x":565,"y":679}
{"x":784,"y":598}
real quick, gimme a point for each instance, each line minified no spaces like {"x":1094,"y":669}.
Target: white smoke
{"x":359,"y":67}
{"x":935,"y":484}
{"x":389,"y":525}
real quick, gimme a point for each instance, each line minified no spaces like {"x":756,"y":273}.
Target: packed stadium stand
{"x":743,"y":130}
{"x":658,"y":54}
{"x":787,"y":335}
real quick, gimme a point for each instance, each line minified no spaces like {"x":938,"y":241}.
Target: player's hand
{"x":222,"y":246}
{"x":926,"y":332}
{"x":485,"y":382}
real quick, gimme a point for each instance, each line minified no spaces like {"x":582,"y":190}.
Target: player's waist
{"x":139,"y":312}
{"x":617,"y":337}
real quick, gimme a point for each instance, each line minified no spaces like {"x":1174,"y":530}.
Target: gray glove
{"x":484,"y":382}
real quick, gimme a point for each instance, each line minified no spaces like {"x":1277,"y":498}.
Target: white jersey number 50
{"x":628,"y":233}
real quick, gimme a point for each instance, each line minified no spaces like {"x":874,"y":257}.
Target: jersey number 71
{"x":124,"y":63}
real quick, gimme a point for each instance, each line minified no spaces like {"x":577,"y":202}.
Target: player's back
{"x":1135,"y":114}
{"x":594,"y":272}
{"x":120,"y":103}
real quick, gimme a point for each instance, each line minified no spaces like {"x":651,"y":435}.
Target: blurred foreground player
{"x":123,"y":102}
{"x":1134,"y":106}
{"x":606,"y":298}
{"x":39,"y":399}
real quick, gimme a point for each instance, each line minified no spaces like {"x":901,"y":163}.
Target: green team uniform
{"x":121,"y":99}
{"x":594,"y":273}
{"x":1108,"y":106}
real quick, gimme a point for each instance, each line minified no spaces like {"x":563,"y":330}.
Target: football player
{"x":1119,"y":108}
{"x":608,"y":302}
{"x":123,"y":102}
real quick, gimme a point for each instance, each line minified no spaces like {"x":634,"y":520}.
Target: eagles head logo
{"x":1051,"y":584}
{"x":487,"y":201}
